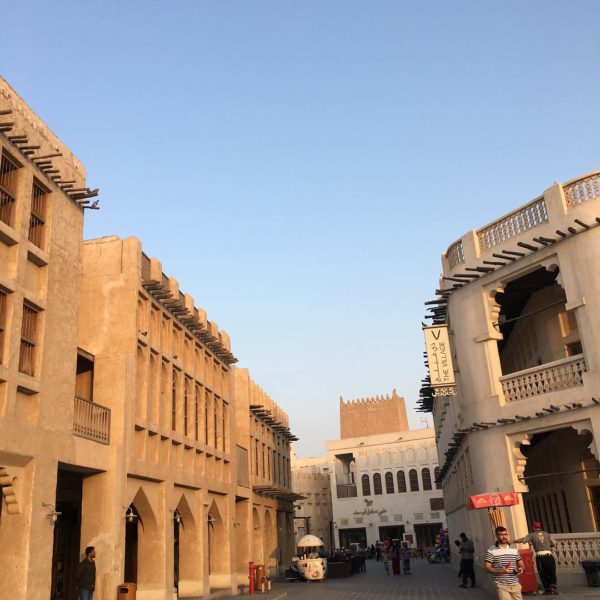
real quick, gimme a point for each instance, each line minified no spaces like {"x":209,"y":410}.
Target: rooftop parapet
{"x":265,"y":409}
{"x":373,"y":415}
{"x":165,"y":290}
{"x":562,"y":211}
{"x":369,"y":400}
{"x":34,"y":142}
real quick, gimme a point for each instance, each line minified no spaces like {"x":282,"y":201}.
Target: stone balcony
{"x":562,"y":211}
{"x":346,"y":490}
{"x":550,"y":377}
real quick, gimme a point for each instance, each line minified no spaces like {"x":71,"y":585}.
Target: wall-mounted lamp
{"x":52,"y":514}
{"x":130,"y":515}
{"x":210,"y":519}
{"x":206,"y":504}
{"x":177,"y":517}
{"x":237,"y":524}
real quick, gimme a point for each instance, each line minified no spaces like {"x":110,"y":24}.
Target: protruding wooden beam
{"x":528,"y":246}
{"x":580,"y":222}
{"x":513,"y":253}
{"x":480,"y":269}
{"x":511,"y":258}
{"x":494,"y":262}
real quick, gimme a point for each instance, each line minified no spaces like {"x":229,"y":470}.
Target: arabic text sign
{"x":439,"y":356}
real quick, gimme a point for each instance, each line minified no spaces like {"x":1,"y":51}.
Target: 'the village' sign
{"x":440,"y":359}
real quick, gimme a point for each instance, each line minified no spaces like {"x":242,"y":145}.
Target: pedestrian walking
{"x":86,"y":575}
{"x":395,"y":554}
{"x":466,"y":550}
{"x":405,"y":555}
{"x":542,"y":544}
{"x":385,"y":557}
{"x":504,"y":563}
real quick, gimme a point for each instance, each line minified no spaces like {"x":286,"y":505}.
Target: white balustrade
{"x":513,"y":224}
{"x":557,"y":375}
{"x":91,"y":421}
{"x":583,"y":190}
{"x":572,"y":548}
{"x":455,"y":254}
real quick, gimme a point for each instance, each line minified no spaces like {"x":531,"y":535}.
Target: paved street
{"x":427,"y":582}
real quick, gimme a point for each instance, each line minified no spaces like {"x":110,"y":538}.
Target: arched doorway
{"x":143,"y":548}
{"x":257,"y":533}
{"x":218,"y":547}
{"x":187,"y":563}
{"x":270,"y":546}
{"x":563,"y":478}
{"x":242,"y":550}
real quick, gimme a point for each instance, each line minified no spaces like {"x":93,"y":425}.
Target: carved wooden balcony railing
{"x":346,"y":490}
{"x":91,"y":421}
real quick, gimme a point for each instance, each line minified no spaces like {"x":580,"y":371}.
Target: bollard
{"x":269,"y":584}
{"x":251,"y":574}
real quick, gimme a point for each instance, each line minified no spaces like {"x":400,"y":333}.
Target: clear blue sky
{"x":299,"y":167}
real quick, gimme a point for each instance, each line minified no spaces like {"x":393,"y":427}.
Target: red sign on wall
{"x":492,"y":500}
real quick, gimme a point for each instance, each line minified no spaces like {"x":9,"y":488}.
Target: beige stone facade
{"x":40,"y":249}
{"x":124,"y":423}
{"x":383,"y":486}
{"x":313,"y":511}
{"x":522,"y":297}
{"x":371,"y":416}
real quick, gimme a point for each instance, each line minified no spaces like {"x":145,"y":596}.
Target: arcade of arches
{"x":562,"y":474}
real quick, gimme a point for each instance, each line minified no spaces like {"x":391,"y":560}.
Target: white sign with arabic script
{"x":439,"y":355}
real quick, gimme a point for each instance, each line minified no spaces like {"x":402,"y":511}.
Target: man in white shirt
{"x":504,"y":563}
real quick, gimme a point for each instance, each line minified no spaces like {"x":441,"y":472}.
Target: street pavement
{"x":427,"y":582}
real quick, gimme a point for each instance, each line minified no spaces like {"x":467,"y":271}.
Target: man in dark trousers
{"x":542,"y":543}
{"x":86,"y":575}
{"x":466,"y":550}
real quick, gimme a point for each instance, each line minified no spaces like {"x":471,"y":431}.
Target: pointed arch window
{"x":366,"y":485}
{"x":401,"y":482}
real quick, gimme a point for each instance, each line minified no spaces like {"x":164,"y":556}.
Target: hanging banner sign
{"x":439,"y":357}
{"x":493,"y":500}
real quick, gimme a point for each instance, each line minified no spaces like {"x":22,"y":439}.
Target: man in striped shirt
{"x":504,"y":562}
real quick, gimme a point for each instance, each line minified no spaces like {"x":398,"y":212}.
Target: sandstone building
{"x":313,"y":512}
{"x":521,"y":297}
{"x":42,"y":190}
{"x":383,"y":479}
{"x":124,"y":423}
